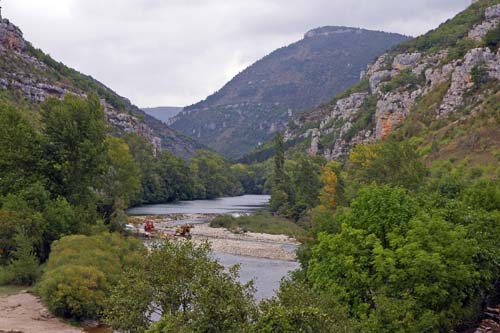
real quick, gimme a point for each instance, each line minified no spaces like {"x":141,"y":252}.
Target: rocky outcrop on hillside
{"x":394,"y":85}
{"x":262,"y":99}
{"x":22,"y":70}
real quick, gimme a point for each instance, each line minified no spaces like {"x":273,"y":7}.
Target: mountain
{"x":163,"y":113}
{"x":29,"y":76}
{"x":262,"y":99}
{"x":441,"y":91}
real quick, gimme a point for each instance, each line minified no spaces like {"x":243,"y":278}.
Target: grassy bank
{"x":260,"y":222}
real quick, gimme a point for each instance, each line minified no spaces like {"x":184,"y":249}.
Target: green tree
{"x":24,"y":268}
{"x":394,"y":163}
{"x":403,"y":268}
{"x":191,"y":292}
{"x":75,"y":150}
{"x":281,"y":191}
{"x":20,"y":151}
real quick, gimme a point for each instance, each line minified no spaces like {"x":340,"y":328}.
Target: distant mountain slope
{"x":163,"y":113}
{"x":29,"y":74}
{"x":262,"y":99}
{"x":440,"y":91}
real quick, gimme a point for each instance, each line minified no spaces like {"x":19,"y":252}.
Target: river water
{"x":266,"y":273}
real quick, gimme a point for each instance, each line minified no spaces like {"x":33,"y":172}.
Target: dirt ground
{"x":23,"y":312}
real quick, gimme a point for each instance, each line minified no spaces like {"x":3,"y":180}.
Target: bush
{"x":492,"y":39}
{"x":24,"y":269}
{"x":81,"y":271}
{"x":261,"y":222}
{"x":180,"y":282}
{"x":406,"y":78}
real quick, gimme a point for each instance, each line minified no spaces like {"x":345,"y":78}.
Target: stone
{"x":11,"y":37}
{"x":406,"y":60}
{"x":345,"y":108}
{"x":492,"y":12}
{"x":461,"y":80}
{"x":377,"y":78}
{"x":315,"y":136}
{"x":392,"y":110}
{"x":492,"y":20}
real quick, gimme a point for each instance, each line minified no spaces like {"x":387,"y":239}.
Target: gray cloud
{"x":176,"y":52}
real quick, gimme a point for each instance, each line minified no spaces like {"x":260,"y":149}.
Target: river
{"x":266,"y":273}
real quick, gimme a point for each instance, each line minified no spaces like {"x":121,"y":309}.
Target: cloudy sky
{"x":176,"y":52}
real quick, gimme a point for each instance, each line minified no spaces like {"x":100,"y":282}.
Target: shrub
{"x":81,"y":271}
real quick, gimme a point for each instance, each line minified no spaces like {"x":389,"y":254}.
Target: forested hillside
{"x":261,"y":100}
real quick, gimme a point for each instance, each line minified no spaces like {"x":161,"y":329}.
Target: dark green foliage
{"x":191,"y":292}
{"x":24,"y":268}
{"x":74,"y":134}
{"x":406,"y":78}
{"x":492,"y":39}
{"x":281,"y":190}
{"x":212,"y":176}
{"x":403,"y":268}
{"x":479,"y":75}
{"x":21,"y":159}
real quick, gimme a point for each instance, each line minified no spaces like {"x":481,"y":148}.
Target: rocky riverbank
{"x":278,"y":247}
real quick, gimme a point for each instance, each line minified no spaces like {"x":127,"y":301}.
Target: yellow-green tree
{"x":328,"y":195}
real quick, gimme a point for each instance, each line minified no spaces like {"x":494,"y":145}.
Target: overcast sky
{"x":176,"y":52}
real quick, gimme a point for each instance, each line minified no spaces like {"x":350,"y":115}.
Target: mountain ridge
{"x":259,"y":101}
{"x":36,"y":76}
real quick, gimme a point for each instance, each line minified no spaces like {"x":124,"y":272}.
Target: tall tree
{"x":280,"y":195}
{"x":75,"y":149}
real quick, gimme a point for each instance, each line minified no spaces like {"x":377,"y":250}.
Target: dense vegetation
{"x":63,"y":174}
{"x":401,"y":247}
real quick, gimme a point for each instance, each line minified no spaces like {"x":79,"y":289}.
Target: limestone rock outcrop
{"x":11,"y":37}
{"x":396,"y":83}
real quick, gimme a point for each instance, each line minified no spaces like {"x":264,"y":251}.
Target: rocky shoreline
{"x":266,"y":246}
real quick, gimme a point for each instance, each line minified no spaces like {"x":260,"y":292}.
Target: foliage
{"x":21,"y":155}
{"x":449,"y":33}
{"x":24,"y":268}
{"x":260,"y":222}
{"x":406,"y":78}
{"x":179,"y":282}
{"x":298,"y":308}
{"x":328,"y":195}
{"x":212,"y":177}
{"x":403,"y":269}
{"x":281,"y":191}
{"x":75,"y":151}
{"x":391,"y":163}
{"x":492,"y":39}
{"x":82,"y":270}
{"x":479,"y":75}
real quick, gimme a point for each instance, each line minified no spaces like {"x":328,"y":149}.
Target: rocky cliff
{"x":422,"y":88}
{"x":28,"y":73}
{"x":262,"y":99}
